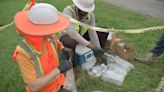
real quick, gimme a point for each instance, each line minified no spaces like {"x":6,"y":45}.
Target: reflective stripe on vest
{"x":25,"y":48}
{"x":80,"y":29}
{"x":53,"y":45}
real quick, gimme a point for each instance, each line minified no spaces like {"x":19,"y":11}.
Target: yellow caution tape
{"x":8,"y":25}
{"x":131,"y":31}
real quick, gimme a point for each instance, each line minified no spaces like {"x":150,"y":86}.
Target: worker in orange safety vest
{"x":37,"y":53}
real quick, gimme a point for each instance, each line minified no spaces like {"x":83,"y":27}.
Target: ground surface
{"x":153,"y":8}
{"x":143,"y":78}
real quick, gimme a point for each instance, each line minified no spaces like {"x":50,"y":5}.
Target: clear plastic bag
{"x":114,"y":72}
{"x":97,"y":70}
{"x":112,"y":77}
{"x":125,"y":65}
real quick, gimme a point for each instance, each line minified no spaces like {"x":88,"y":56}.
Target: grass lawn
{"x":144,"y":78}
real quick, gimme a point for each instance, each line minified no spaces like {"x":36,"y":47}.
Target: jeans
{"x":159,"y":48}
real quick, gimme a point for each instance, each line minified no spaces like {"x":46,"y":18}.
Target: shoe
{"x":148,"y":59}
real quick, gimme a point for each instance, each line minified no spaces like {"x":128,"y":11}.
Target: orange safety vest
{"x":43,"y":66}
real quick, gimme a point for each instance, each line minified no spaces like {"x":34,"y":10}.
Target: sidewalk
{"x":153,"y":8}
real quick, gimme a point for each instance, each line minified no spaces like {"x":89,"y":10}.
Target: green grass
{"x":144,"y":78}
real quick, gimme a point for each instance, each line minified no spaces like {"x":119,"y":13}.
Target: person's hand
{"x":103,"y":58}
{"x":68,"y":52}
{"x":66,"y":65}
{"x":97,"y":51}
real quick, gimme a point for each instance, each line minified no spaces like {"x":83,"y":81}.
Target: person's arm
{"x":72,"y":32}
{"x":34,"y":83}
{"x":92,"y":33}
{"x":67,"y":51}
{"x":41,"y":82}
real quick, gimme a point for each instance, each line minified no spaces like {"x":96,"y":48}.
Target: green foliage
{"x":144,"y":78}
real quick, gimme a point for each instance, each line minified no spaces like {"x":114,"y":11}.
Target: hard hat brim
{"x":25,"y":26}
{"x":91,"y":9}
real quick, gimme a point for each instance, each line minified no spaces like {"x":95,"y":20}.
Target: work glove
{"x":103,"y":58}
{"x":66,"y":65}
{"x":99,"y":52}
{"x":68,"y":53}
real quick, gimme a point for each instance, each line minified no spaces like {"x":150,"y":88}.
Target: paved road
{"x":153,"y":8}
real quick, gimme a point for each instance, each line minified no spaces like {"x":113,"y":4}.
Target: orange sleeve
{"x":27,"y":68}
{"x":59,"y":45}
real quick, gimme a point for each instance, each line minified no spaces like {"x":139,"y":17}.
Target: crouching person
{"x":37,"y":53}
{"x":82,"y":10}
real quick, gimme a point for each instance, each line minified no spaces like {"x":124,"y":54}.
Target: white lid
{"x":80,"y":49}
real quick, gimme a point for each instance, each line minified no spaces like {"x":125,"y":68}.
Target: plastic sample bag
{"x":114,"y":72}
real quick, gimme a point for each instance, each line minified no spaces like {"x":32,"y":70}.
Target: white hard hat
{"x":85,"y":5}
{"x":42,"y":19}
{"x":43,"y":13}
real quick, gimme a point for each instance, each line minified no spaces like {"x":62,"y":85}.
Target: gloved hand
{"x":68,"y":53}
{"x":103,"y":58}
{"x":66,"y":65}
{"x":97,"y":51}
